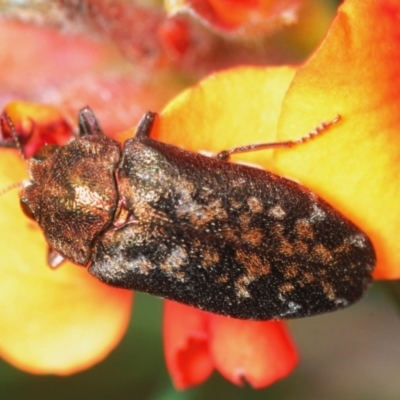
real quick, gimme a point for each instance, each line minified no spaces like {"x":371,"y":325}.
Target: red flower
{"x":196,"y":342}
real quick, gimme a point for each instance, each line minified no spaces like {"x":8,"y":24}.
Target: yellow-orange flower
{"x":50,"y":321}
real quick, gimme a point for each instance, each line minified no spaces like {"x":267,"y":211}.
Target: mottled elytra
{"x":219,"y":236}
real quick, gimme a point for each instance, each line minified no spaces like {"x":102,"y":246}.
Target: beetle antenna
{"x":6,"y":119}
{"x":10,"y":187}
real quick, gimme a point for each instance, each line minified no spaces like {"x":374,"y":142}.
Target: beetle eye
{"x":26,"y":208}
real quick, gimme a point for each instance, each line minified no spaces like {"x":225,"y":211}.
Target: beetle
{"x":223,"y":237}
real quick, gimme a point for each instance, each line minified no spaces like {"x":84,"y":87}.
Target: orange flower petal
{"x":52,"y":321}
{"x":186,"y":345}
{"x":233,"y":108}
{"x":259,"y":352}
{"x":356,"y":165}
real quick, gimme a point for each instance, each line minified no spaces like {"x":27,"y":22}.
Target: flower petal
{"x":259,"y":352}
{"x":355,"y":166}
{"x":35,"y":125}
{"x":236,"y":107}
{"x":242,"y":17}
{"x":186,"y":345}
{"x":51,"y":321}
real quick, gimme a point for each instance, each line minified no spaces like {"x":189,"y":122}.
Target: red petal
{"x":36,"y":125}
{"x":186,"y":345}
{"x":244,"y":17}
{"x":259,"y":352}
